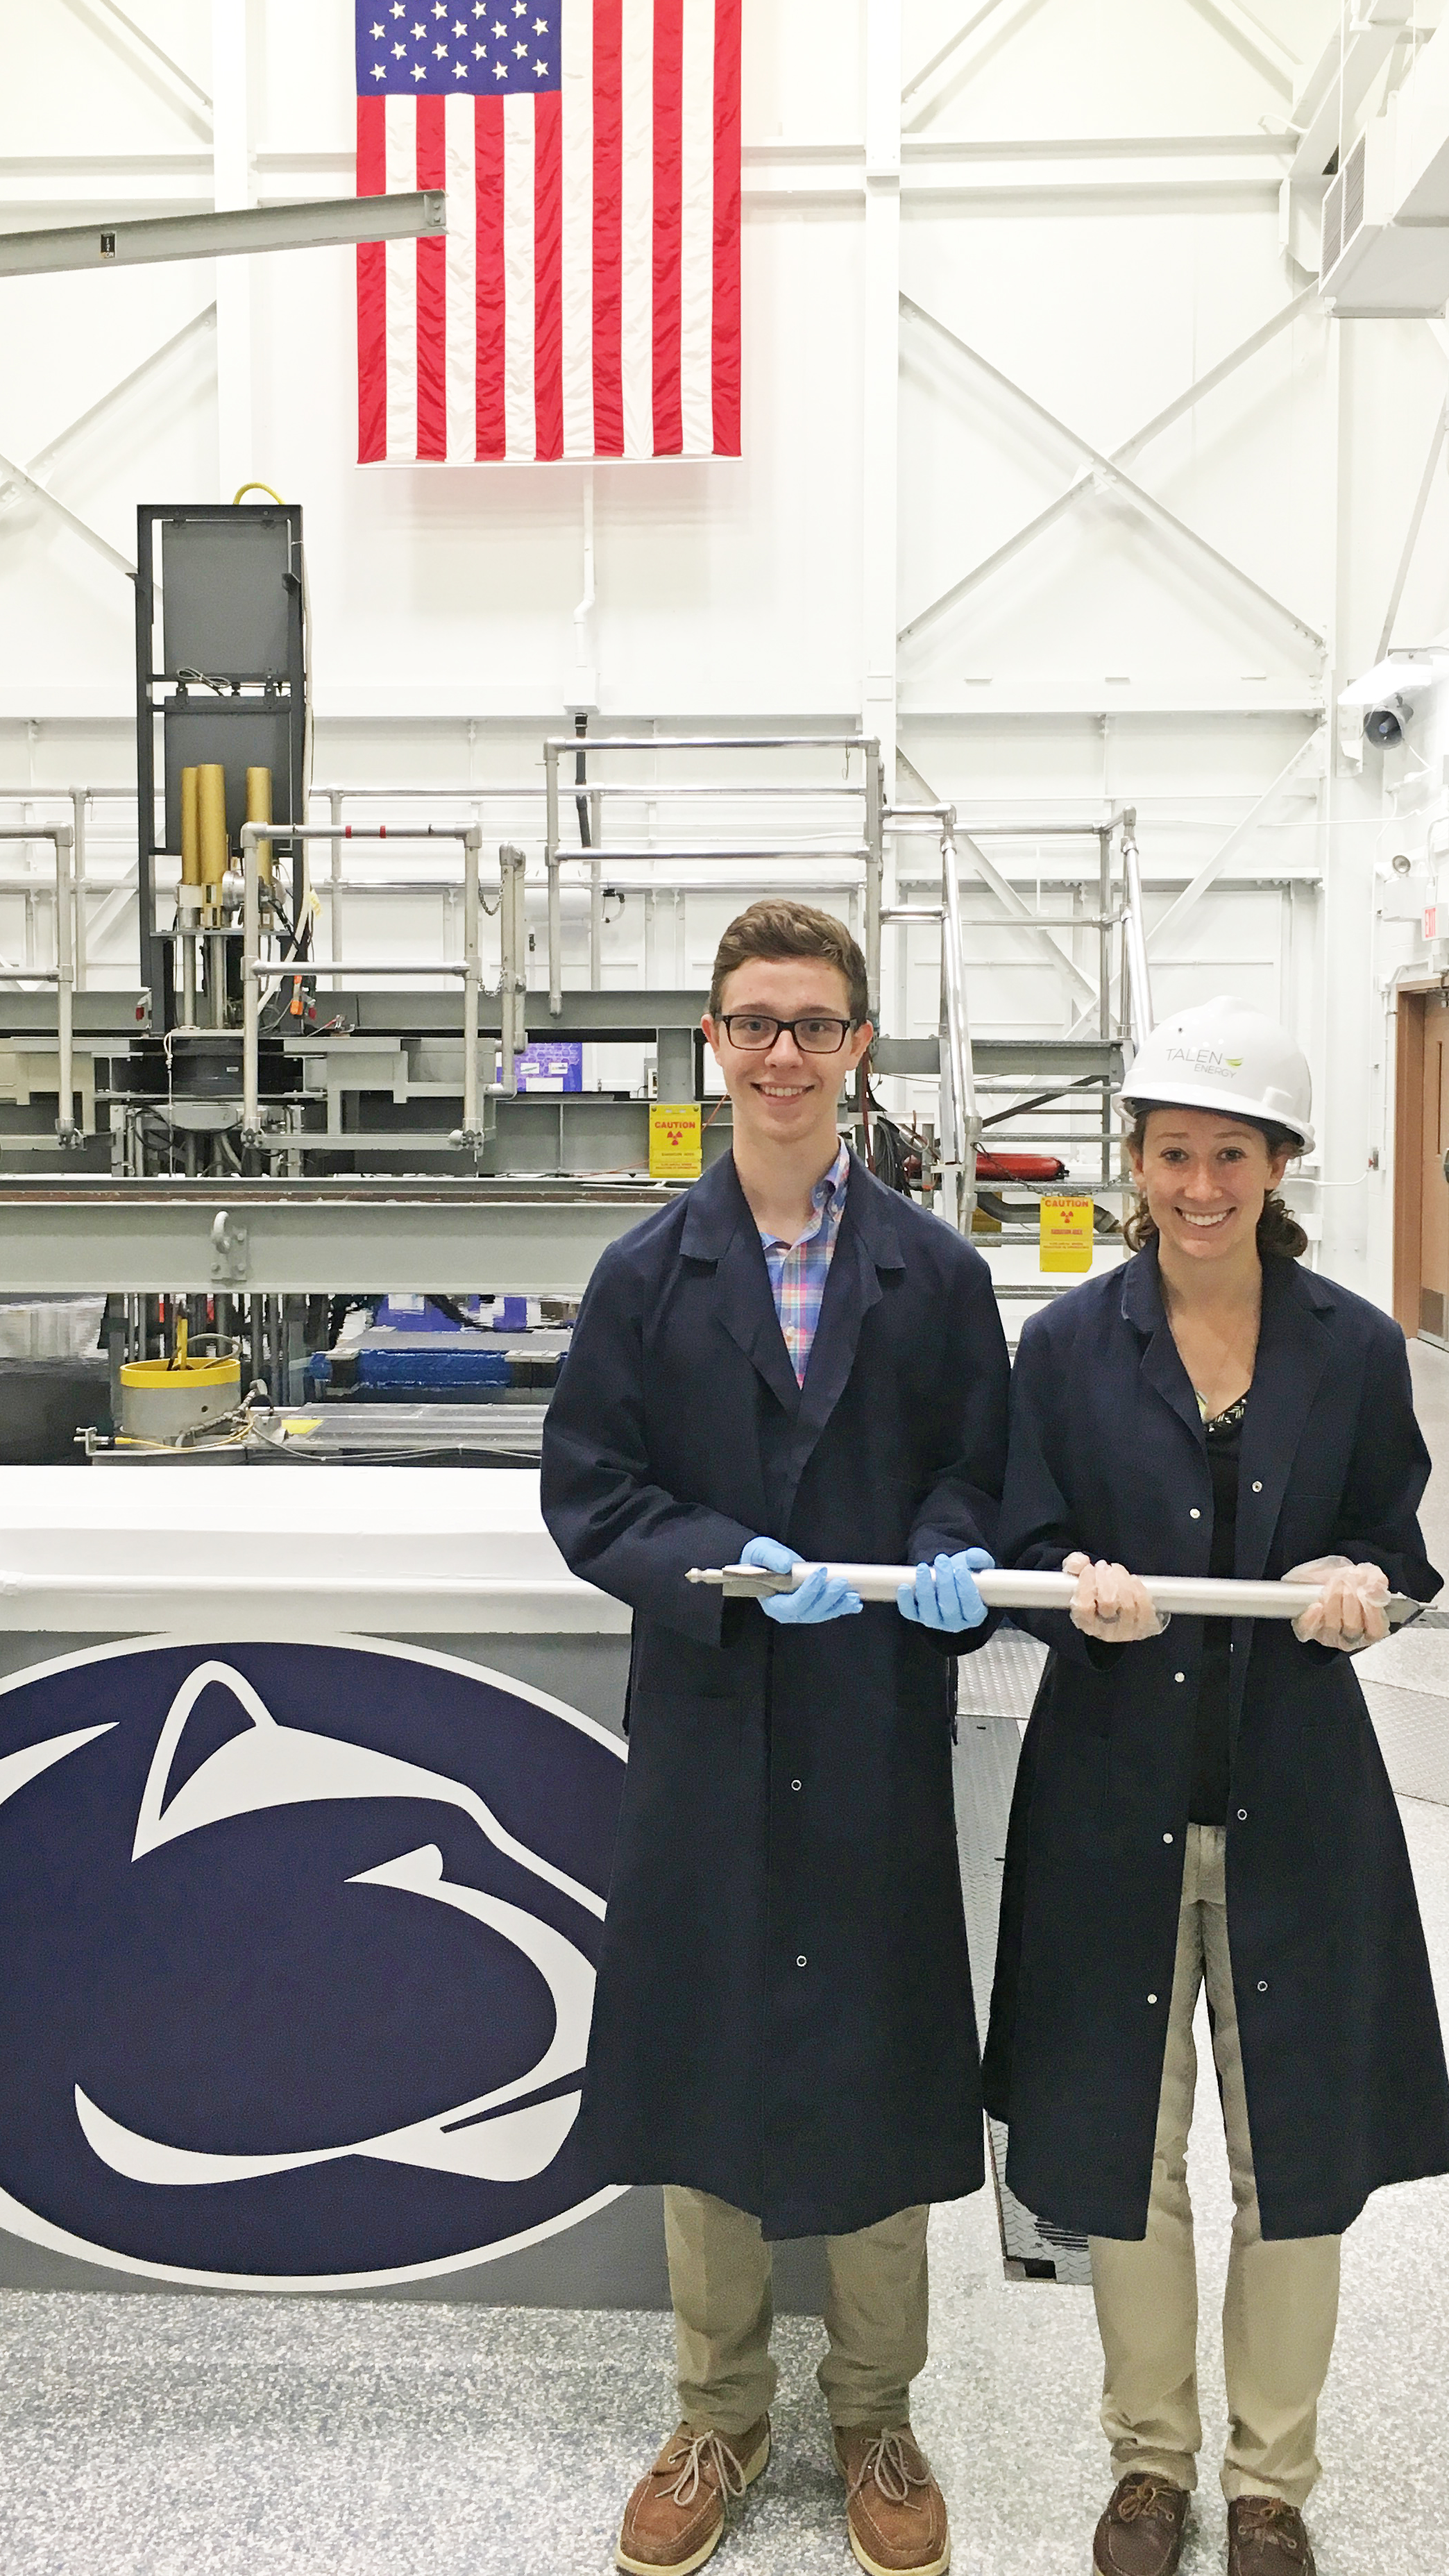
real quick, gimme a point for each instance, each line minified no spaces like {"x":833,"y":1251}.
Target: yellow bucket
{"x":160,"y":1399}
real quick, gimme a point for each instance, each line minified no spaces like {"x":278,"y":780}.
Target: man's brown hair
{"x":776,"y":928}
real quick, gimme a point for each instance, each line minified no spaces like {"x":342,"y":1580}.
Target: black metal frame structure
{"x":248,"y":698}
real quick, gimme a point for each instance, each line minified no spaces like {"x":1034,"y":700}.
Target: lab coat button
{"x":1179,"y":1677}
{"x":1257,"y":1485}
{"x":1194,"y":1514}
{"x":1167,"y":1838}
{"x":1152,"y":1999}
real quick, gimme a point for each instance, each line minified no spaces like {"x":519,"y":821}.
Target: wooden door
{"x":1434,"y":1188}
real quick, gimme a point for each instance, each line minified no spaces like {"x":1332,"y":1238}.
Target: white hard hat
{"x":1224,"y":1056}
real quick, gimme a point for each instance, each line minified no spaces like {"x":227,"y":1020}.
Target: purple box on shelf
{"x":545,"y":1067}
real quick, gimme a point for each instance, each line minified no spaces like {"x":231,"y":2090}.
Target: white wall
{"x":1089,"y":200}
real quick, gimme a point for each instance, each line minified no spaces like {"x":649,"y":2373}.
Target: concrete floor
{"x":156,"y":2436}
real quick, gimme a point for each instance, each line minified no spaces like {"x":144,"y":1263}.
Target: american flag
{"x":586,"y":298}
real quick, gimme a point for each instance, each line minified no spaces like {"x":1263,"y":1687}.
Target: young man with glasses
{"x":789,"y":1361}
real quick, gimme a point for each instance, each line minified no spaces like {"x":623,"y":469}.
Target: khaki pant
{"x":1282,"y":2298}
{"x":719,"y":2278}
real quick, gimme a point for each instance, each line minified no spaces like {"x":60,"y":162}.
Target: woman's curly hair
{"x":1280,"y":1236}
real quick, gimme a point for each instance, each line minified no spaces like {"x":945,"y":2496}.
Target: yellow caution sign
{"x":1066,"y":1233}
{"x":676,"y":1143}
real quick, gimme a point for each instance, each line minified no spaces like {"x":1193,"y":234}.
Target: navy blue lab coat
{"x":1342,"y":2054}
{"x":784,"y":2013}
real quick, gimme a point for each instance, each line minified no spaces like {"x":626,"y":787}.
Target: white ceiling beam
{"x":12,"y":473}
{"x":1123,"y":455}
{"x":26,"y":478}
{"x":1411,"y":537}
{"x":168,"y":62}
{"x":146,"y":61}
{"x":1249,"y":37}
{"x":46,"y":456}
{"x":1228,"y":849}
{"x":952,"y":46}
{"x":1146,"y":502}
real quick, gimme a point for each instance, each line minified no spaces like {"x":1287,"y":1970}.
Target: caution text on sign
{"x":675,"y":1143}
{"x":1066,"y":1233}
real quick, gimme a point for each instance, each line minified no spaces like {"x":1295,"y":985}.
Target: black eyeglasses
{"x":816,"y":1033}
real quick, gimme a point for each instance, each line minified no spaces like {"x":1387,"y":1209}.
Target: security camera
{"x":1384,"y":722}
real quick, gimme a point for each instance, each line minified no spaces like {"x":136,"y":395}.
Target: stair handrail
{"x":1138,"y":1013}
{"x":960,"y":1120}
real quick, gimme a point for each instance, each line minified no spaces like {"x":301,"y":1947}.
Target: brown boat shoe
{"x":1141,"y":2532}
{"x":895,"y":2514}
{"x":1266,"y":2538}
{"x":676,"y":2515}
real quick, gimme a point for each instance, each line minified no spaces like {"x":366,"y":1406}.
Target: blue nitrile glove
{"x":821,"y":1596}
{"x":943,"y":1595}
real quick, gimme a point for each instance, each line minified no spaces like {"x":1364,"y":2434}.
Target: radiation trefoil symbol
{"x":509,"y":2135}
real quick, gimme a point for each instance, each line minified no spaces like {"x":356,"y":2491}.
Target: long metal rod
{"x":711,"y":742}
{"x":315,"y":224}
{"x":266,"y":970}
{"x":780,"y":848}
{"x":251,"y":986}
{"x":875,"y":798}
{"x":965,"y":1124}
{"x":1187,"y":1595}
{"x":1104,"y":935}
{"x":334,"y":799}
{"x":78,"y":881}
{"x":65,"y":1127}
{"x":555,"y":911}
{"x":1140,"y":1015}
{"x":346,"y":1587}
{"x":512,"y":936}
{"x":472,"y":1132}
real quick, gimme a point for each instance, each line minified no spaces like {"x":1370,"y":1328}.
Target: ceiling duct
{"x":1386,"y":215}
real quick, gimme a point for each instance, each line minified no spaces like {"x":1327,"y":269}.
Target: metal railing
{"x":869,"y":852}
{"x":62,"y":973}
{"x":959,"y":1122}
{"x":258,"y":970}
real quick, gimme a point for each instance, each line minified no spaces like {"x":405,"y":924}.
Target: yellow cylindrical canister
{"x":190,"y":831}
{"x":160,"y":1399}
{"x":259,"y":810}
{"x":211,"y":824}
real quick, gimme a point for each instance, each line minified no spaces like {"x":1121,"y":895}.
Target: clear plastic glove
{"x":1110,"y":1603}
{"x":1350,"y":1614}
{"x":821,"y":1595}
{"x":943,"y":1595}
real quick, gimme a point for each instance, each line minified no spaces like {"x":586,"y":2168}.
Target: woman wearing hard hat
{"x":1205,"y":1802}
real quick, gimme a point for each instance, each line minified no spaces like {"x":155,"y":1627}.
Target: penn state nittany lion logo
{"x":301,"y":1944}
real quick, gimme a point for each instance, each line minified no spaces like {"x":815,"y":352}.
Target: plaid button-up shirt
{"x":798,"y":1271}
